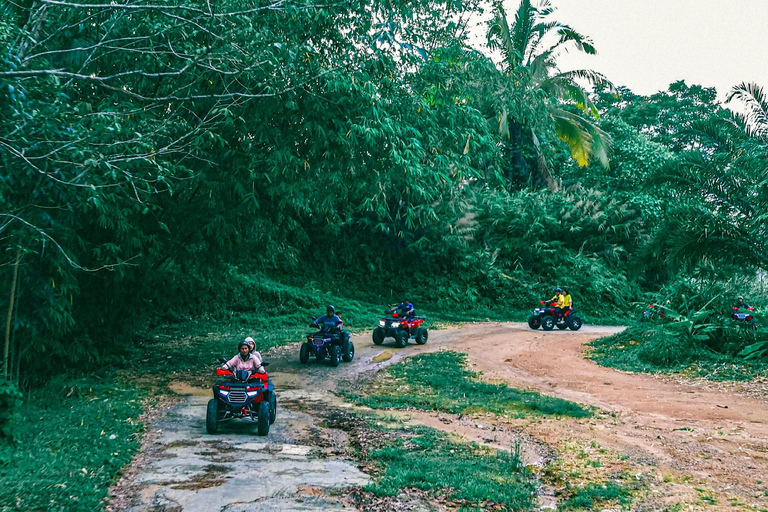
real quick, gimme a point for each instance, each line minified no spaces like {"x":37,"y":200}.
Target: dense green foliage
{"x":77,"y":436}
{"x":442,"y":381}
{"x":148,"y":151}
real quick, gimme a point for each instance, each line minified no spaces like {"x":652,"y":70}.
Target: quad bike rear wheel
{"x":378,"y":336}
{"x":575,"y":323}
{"x":349,"y":354}
{"x":264,"y":417}
{"x":401,"y":339}
{"x":304,"y":353}
{"x":422,"y":335}
{"x":335,"y":355}
{"x":272,"y":407}
{"x":547,"y":323}
{"x":212,"y":416}
{"x":534,"y":322}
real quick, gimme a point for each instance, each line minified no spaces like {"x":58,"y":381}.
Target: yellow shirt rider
{"x":567,"y":301}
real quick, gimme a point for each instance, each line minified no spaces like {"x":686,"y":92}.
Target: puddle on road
{"x":383,"y":356}
{"x":184,"y":389}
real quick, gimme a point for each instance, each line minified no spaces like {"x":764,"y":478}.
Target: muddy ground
{"x":687,"y":445}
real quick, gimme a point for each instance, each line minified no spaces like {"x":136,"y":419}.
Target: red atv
{"x":242,"y":395}
{"x":400,"y":328}
{"x":545,"y":317}
{"x":744,"y":314}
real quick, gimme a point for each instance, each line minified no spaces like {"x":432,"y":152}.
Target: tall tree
{"x":534,"y":98}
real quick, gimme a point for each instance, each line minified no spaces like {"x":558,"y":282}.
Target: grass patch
{"x":416,"y":457}
{"x":427,"y":459}
{"x":442,"y":381}
{"x":73,"y":437}
{"x":647,"y":348}
{"x":596,"y":496}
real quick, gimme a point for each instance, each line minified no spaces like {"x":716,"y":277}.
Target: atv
{"x":335,"y":345}
{"x":401,"y":329}
{"x":744,"y":315}
{"x":653,"y":313}
{"x":242,"y":395}
{"x":544,"y":316}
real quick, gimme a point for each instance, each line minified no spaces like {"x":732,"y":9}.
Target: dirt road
{"x":692,"y":446}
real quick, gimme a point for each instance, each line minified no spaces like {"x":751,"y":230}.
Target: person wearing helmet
{"x":558,"y":297}
{"x":740,"y":303}
{"x":329,"y":322}
{"x":405,"y":309}
{"x":559,"y":301}
{"x":245,"y":360}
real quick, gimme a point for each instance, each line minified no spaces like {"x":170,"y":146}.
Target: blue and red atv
{"x":401,"y":329}
{"x":744,"y":314}
{"x":332,"y":344}
{"x":242,"y":395}
{"x":545,"y":316}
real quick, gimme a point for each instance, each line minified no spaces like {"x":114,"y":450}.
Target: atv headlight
{"x":395,"y":325}
{"x":382,"y":323}
{"x":252,"y":393}
{"x":223,"y":393}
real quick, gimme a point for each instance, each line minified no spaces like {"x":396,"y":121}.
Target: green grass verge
{"x":597,"y":497}
{"x":647,"y":349}
{"x":403,"y":456}
{"x":72,"y":438}
{"x":442,"y":381}
{"x":427,"y":459}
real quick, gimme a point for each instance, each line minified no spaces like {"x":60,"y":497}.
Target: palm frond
{"x":755,"y":100}
{"x":571,"y":131}
{"x":568,"y":34}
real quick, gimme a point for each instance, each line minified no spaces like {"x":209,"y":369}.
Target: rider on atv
{"x":244,"y":360}
{"x":559,"y":300}
{"x":405,"y":309}
{"x":740,"y":303}
{"x":331,"y":323}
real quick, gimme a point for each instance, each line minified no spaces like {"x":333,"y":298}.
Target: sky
{"x":648,"y":44}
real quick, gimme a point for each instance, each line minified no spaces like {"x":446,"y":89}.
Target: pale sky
{"x":648,"y":44}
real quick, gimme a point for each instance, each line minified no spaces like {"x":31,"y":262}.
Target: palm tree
{"x":755,"y":101}
{"x":529,"y":48}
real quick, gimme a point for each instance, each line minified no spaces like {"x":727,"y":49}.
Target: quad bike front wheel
{"x":575,"y":323}
{"x":304,"y":354}
{"x":349,"y":354}
{"x":378,"y":336}
{"x":401,"y":339}
{"x":335,"y":355}
{"x":547,"y":323}
{"x":272,"y":407}
{"x":534,"y":322}
{"x":422,"y":335}
{"x":264,"y":417}
{"x":212,"y":416}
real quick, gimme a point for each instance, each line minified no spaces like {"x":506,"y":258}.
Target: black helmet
{"x":243,"y":343}
{"x":330,"y":308}
{"x":406,"y":300}
{"x":558,"y":289}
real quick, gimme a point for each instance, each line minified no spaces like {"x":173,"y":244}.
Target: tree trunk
{"x":6,"y":362}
